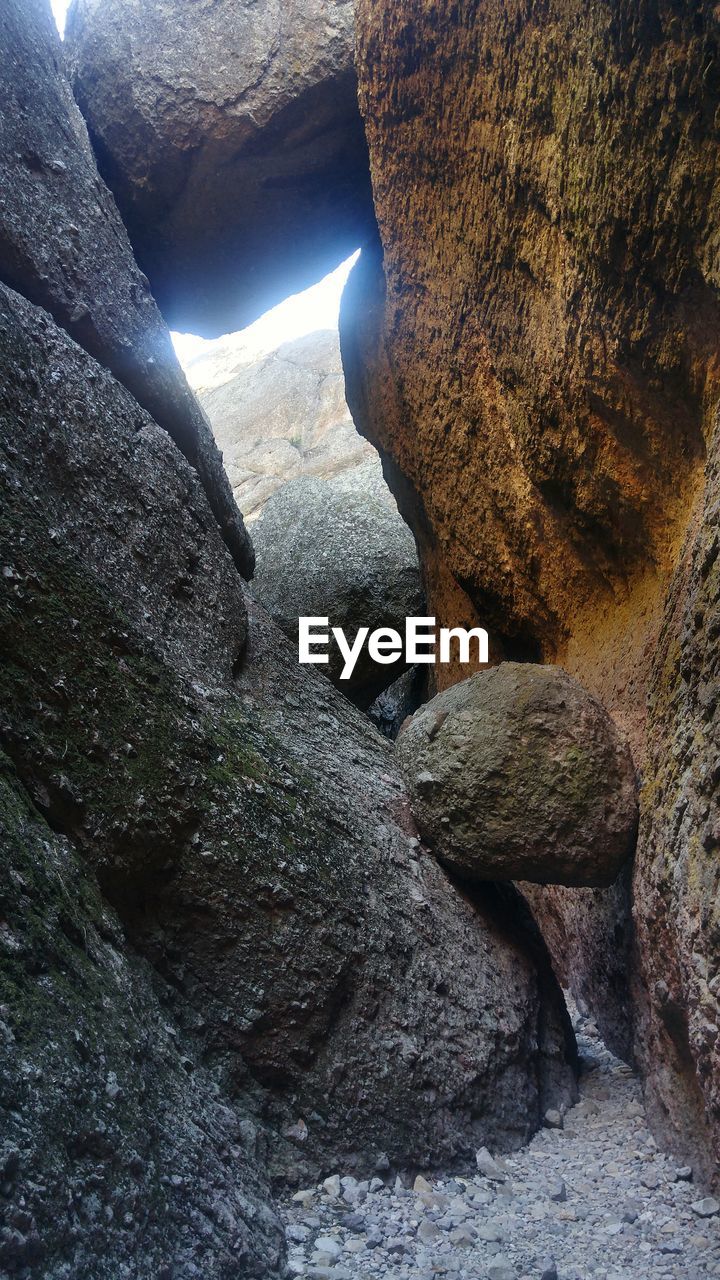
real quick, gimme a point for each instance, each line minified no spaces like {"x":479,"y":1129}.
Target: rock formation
{"x":339,"y":550}
{"x":218,"y":920}
{"x":203,"y":799}
{"x":118,"y":1155}
{"x":63,"y":245}
{"x":231,"y":138}
{"x":677,"y":889}
{"x":278,"y":415}
{"x":519,"y":774}
{"x":533,"y":348}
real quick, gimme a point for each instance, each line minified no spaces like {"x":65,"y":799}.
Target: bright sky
{"x":60,"y":8}
{"x":315,"y":308}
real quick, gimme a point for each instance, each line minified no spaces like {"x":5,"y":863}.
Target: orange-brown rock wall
{"x":534,"y":351}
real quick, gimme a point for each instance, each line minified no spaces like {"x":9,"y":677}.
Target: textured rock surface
{"x":339,"y":550}
{"x":519,"y":774}
{"x":63,"y":245}
{"x":278,"y":415}
{"x":590,"y":936}
{"x":677,"y":876}
{"x":539,"y":358}
{"x":119,"y":1156}
{"x":231,"y":136}
{"x":392,"y":707}
{"x":251,"y":830}
{"x":542,"y":357}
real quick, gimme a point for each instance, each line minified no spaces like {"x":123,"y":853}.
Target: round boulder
{"x":519,"y":773}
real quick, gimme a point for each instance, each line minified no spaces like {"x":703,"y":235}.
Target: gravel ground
{"x":591,"y":1198}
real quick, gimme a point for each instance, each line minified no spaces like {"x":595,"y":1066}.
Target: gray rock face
{"x":231,"y":137}
{"x":518,"y":773}
{"x":119,"y":1157}
{"x":280,"y":415}
{"x":250,"y":828}
{"x":64,"y":247}
{"x":339,"y":550}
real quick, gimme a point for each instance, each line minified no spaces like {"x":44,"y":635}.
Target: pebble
{"x":706,"y":1208}
{"x":553,"y":1119}
{"x":594,"y":1200}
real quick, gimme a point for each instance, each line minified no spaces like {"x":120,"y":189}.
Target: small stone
{"x":352,"y":1221}
{"x":396,"y":1246}
{"x":489,"y":1231}
{"x":428,"y":1231}
{"x":487,"y":1166}
{"x":501,"y":1268}
{"x":549,"y":1270}
{"x":421,"y":1184}
{"x":706,"y":1208}
{"x":326,"y":1244}
{"x":331,"y":1186}
{"x":305,"y":1198}
{"x":296,"y":1233}
{"x":684,"y":1174}
{"x":557,"y":1191}
{"x":462,"y":1237}
{"x":552,"y":1119}
{"x":650,"y":1180}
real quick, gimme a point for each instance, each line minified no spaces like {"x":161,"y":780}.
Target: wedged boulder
{"x":64,"y":247}
{"x":339,"y":550}
{"x":253,"y":832}
{"x":231,"y":136}
{"x":278,"y":415}
{"x":519,"y":774}
{"x":119,"y":1155}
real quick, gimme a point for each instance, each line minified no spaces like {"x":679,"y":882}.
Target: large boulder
{"x":64,"y":247}
{"x":246,"y":821}
{"x":231,"y":137}
{"x":278,"y":414}
{"x":119,"y":1155}
{"x":519,"y":774}
{"x":339,"y":550}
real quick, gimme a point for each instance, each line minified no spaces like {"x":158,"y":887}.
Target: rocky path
{"x":594,"y":1198}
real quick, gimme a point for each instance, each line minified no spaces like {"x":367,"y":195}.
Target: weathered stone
{"x":518,"y":773}
{"x":231,"y":137}
{"x":677,"y":873}
{"x":250,"y":826}
{"x":339,"y":551}
{"x":392,"y":707}
{"x":589,"y":933}
{"x":127,"y":1156}
{"x":64,"y":247}
{"x":278,"y":415}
